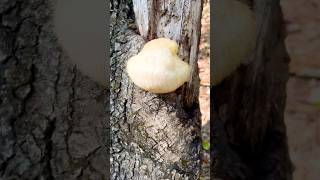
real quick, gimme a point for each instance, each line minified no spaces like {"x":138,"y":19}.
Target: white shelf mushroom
{"x":234,"y":37}
{"x":157,"y":68}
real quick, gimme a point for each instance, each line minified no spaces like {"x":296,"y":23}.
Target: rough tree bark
{"x":249,"y":134}
{"x":52,"y":118}
{"x":154,"y":136}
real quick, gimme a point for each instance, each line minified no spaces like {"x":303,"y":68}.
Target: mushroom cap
{"x":161,"y":43}
{"x":234,"y":37}
{"x":158,"y":70}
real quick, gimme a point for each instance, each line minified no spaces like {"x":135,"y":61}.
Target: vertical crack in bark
{"x":48,"y":148}
{"x":71,"y":113}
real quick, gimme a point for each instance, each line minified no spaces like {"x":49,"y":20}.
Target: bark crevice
{"x":39,"y":97}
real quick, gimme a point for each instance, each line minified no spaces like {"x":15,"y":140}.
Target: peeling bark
{"x":249,"y":138}
{"x":52,"y":118}
{"x":153,"y":136}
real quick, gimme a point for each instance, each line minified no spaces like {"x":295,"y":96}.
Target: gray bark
{"x":154,"y":136}
{"x":249,"y":134}
{"x":52,"y":118}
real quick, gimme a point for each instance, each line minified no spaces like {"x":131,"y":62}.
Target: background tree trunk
{"x":154,"y":136}
{"x":52,"y":118}
{"x":249,"y":134}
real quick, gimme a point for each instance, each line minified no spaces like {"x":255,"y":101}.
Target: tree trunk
{"x":52,"y":118}
{"x":249,"y":135}
{"x":154,"y":136}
